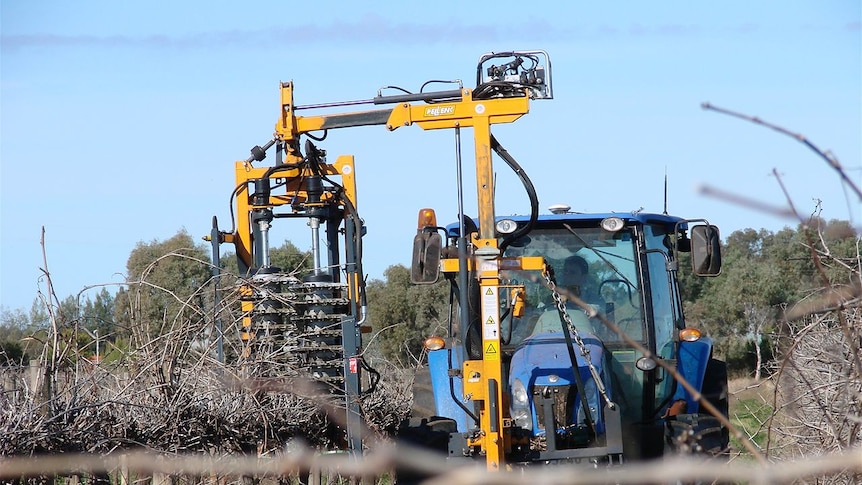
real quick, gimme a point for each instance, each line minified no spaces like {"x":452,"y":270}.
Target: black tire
{"x":431,"y":434}
{"x":714,"y":390}
{"x":703,"y":433}
{"x":714,"y":387}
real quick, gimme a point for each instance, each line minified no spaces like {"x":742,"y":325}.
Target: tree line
{"x":764,"y":274}
{"x":167,"y":285}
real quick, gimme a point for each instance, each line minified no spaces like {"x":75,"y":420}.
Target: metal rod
{"x":215,"y":239}
{"x":314,"y":224}
{"x":333,"y":105}
{"x":463,"y":277}
{"x":264,"y":244}
{"x":430,"y":96}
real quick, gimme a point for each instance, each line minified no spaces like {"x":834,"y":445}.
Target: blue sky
{"x":121,"y":120}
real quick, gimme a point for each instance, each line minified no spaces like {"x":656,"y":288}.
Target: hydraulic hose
{"x":528,"y":186}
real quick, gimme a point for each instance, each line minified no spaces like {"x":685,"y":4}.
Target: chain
{"x":585,"y":351}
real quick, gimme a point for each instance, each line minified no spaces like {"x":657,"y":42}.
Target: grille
{"x":560,"y":398}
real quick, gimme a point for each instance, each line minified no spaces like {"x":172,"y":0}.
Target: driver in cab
{"x":573,"y":279}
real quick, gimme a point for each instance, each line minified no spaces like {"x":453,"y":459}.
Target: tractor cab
{"x":619,"y":268}
{"x":622,"y":267}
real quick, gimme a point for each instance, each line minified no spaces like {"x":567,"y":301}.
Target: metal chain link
{"x":585,"y":352}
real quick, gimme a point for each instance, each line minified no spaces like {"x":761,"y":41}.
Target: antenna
{"x":665,"y":190}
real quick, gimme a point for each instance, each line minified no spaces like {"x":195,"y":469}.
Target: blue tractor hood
{"x":543,"y":360}
{"x":539,"y":357}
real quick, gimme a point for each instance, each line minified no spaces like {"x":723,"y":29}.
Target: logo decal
{"x":433,"y":111}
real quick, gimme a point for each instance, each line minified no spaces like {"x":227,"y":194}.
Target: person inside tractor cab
{"x":574,"y":280}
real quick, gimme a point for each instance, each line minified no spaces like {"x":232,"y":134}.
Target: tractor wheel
{"x":714,"y":390}
{"x":715,"y":385}
{"x":431,"y":434}
{"x":703,"y":433}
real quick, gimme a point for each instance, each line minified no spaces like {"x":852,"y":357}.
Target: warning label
{"x":491,"y":352}
{"x":490,"y":309}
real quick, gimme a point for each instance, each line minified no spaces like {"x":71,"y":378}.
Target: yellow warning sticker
{"x":491,"y":352}
{"x":490,"y":313}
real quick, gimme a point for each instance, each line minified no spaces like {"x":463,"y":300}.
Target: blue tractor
{"x":578,"y":351}
{"x":567,"y":339}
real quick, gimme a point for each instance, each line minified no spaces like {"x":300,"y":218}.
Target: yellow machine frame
{"x":483,"y":378}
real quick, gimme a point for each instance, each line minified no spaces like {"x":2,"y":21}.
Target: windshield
{"x":599,"y":266}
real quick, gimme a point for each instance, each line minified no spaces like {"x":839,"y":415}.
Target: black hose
{"x":528,"y":186}
{"x":449,"y":350}
{"x":375,"y":377}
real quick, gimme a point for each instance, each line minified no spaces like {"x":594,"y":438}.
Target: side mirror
{"x":425,"y":268}
{"x":705,"y":250}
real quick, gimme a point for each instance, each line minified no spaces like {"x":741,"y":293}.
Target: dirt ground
{"x":748,"y":388}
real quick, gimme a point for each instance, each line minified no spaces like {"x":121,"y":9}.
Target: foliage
{"x":164,"y":279}
{"x":17,"y":333}
{"x":98,"y":314}
{"x":403,"y":315}
{"x":11,"y":353}
{"x":288,"y":257}
{"x":741,"y":355}
{"x":762,"y":273}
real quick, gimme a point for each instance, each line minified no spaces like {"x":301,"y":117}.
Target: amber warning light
{"x":427,"y":218}
{"x":689,"y":334}
{"x":434,"y":343}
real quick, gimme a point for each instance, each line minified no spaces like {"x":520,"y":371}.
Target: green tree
{"x":98,"y":314}
{"x":403,"y":314}
{"x":741,"y":304}
{"x":837,"y":244}
{"x":11,"y":353}
{"x":39,"y":315}
{"x":14,"y":326}
{"x":13,"y":319}
{"x":18,"y":330}
{"x":164,"y":285}
{"x":762,"y":273}
{"x":288,"y":257}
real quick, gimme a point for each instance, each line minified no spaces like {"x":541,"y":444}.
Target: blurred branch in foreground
{"x":382,"y":460}
{"x":827,"y":156}
{"x":743,"y":201}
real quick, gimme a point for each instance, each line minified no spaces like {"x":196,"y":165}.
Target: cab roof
{"x":583,"y":218}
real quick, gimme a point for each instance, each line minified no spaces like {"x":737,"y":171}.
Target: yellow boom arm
{"x":483,"y":380}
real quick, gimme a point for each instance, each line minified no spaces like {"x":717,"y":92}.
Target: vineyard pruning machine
{"x":534,"y":368}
